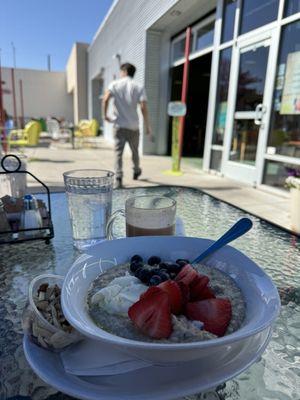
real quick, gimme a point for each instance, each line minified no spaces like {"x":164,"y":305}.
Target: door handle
{"x":259,"y":112}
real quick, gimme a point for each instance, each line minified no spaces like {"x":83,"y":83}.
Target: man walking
{"x":127,"y":95}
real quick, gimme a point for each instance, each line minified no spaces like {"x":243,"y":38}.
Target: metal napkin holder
{"x":44,"y":233}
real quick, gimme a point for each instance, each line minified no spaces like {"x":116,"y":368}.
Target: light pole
{"x":1,"y":98}
{"x":49,"y":62}
{"x":14,"y":54}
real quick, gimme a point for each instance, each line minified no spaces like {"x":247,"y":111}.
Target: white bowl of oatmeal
{"x":254,"y":301}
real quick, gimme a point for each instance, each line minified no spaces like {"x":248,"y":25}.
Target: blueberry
{"x":154,"y":260}
{"x":138,"y":271}
{"x":155,"y":280}
{"x":162,"y":271}
{"x":163,"y":265}
{"x":182,"y":262}
{"x":164,"y":276}
{"x":155,"y":271}
{"x":171,"y":267}
{"x":144,"y":275}
{"x":135,"y":265}
{"x":175,"y":268}
{"x":136,"y":258}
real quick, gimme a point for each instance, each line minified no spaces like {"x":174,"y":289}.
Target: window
{"x":284,"y":137}
{"x":244,"y":141}
{"x":228,"y":20}
{"x":178,"y":49}
{"x":202,"y":37}
{"x":256,"y":13}
{"x":291,"y":7}
{"x":251,"y":80}
{"x":250,"y":91}
{"x":277,"y":172}
{"x":222,"y":94}
{"x":205,"y":36}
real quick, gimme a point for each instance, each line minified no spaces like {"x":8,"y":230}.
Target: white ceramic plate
{"x":152,"y":383}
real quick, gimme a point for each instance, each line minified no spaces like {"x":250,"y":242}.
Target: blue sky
{"x":41,"y":27}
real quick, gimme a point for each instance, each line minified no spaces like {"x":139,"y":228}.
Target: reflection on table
{"x":275,"y":376}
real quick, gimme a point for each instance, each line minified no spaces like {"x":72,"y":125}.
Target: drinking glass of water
{"x":89,"y":193}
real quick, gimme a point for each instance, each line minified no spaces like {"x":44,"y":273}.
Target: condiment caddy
{"x":24,"y":218}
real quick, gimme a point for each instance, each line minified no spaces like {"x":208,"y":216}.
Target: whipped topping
{"x":119,"y":294}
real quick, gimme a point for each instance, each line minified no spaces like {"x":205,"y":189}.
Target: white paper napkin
{"x":94,"y":358}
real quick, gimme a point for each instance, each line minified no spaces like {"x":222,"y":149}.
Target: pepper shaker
{"x":31,"y":217}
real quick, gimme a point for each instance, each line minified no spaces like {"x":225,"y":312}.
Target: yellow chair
{"x":94,"y":126}
{"x":87,"y":130}
{"x":29,"y":136}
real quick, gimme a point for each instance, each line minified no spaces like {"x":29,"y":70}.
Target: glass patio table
{"x":276,"y":376}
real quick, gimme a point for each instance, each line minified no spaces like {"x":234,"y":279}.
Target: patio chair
{"x":29,"y":136}
{"x":56,"y":132}
{"x":87,"y":128}
{"x":87,"y":131}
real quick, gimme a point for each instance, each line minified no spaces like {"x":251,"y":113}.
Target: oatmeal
{"x":115,"y":291}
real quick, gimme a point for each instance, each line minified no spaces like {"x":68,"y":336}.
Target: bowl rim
{"x":130,"y":343}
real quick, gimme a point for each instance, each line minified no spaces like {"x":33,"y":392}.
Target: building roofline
{"x":112,"y":7}
{"x":59,"y":71}
{"x":82,"y":43}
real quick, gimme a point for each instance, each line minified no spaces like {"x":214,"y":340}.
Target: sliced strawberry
{"x":150,"y":291}
{"x":186,"y":275}
{"x":206,"y":293}
{"x":185,"y":292}
{"x":214,"y":313}
{"x":152,"y":314}
{"x":175,"y":297}
{"x":197,"y":285}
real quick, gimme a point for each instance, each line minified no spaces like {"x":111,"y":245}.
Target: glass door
{"x":249,"y":100}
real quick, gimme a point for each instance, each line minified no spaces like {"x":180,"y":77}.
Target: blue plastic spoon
{"x":237,"y":230}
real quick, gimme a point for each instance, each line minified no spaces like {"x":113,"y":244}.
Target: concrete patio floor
{"x":48,"y":164}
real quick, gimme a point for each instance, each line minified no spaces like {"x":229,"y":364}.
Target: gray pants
{"x":122,"y":136}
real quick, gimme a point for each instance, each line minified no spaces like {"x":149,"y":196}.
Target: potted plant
{"x":292,"y":182}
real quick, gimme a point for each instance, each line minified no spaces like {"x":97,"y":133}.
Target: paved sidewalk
{"x":49,"y":163}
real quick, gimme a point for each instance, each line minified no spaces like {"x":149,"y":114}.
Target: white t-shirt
{"x":127,"y":95}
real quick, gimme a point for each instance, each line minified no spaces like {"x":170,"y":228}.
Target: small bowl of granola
{"x":43,"y":319}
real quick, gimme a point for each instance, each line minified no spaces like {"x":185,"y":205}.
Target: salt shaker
{"x":31,"y":217}
{"x":4,"y":224}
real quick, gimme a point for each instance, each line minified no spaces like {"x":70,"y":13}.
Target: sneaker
{"x":119,"y":183}
{"x":136,"y":175}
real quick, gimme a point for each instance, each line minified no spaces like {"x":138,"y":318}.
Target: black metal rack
{"x":44,"y":233}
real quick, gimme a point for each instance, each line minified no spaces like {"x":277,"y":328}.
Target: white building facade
{"x":38,"y":94}
{"x":76,"y":73}
{"x":243,"y":104}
